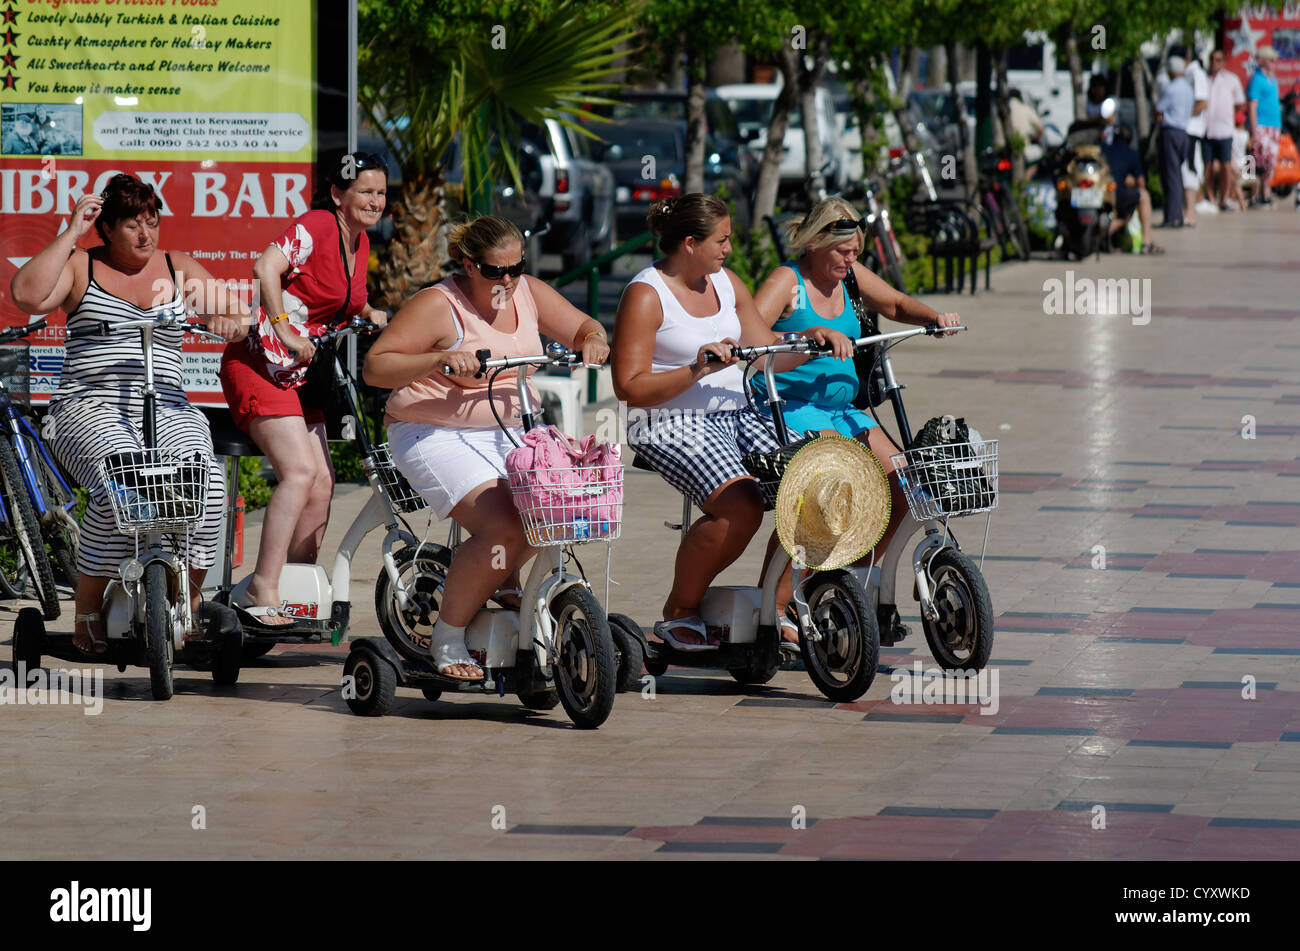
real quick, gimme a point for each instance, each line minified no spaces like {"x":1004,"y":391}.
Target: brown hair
{"x":125,"y":197}
{"x":694,"y":215}
{"x":470,"y":237}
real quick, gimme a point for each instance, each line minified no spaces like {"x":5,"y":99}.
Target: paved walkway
{"x":1120,"y":687}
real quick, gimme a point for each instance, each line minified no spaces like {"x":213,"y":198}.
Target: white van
{"x":1032,"y":68}
{"x":752,"y":103}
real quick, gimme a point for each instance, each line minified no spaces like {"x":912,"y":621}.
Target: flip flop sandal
{"x":446,"y":656}
{"x":693,"y":623}
{"x":98,"y":646}
{"x":250,"y":617}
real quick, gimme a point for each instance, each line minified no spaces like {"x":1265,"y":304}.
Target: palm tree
{"x":426,"y":79}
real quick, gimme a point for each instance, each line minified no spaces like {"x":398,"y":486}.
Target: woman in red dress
{"x":311,"y":278}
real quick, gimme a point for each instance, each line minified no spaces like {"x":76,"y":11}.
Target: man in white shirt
{"x":1194,"y":168}
{"x":1226,"y":96}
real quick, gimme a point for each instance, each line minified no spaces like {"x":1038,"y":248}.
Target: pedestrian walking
{"x":1174,"y":110}
{"x":1226,"y":96}
{"x":1264,"y":121}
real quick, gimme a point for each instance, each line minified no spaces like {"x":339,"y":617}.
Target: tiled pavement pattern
{"x":1119,"y":687}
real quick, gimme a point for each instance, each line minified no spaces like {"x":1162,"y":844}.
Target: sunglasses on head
{"x":844,"y":226}
{"x":494,"y":272}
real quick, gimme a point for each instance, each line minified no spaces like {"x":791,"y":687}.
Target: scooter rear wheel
{"x":29,"y":639}
{"x":586,"y":669}
{"x":158,"y":631}
{"x":962,"y":637}
{"x":374,"y":684}
{"x":843,"y":663}
{"x":627,"y":644}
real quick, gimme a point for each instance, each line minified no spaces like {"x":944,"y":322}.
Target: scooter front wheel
{"x":842,"y":660}
{"x":586,"y":668}
{"x":372,"y":683}
{"x":158,"y":630}
{"x":961,"y":638}
{"x":29,"y":639}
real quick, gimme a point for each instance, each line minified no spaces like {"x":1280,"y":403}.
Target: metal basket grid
{"x":16,"y":373}
{"x":951,"y":480}
{"x":156,"y":490}
{"x":569,"y":505}
{"x":399,"y":491}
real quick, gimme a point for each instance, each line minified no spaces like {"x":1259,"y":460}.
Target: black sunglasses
{"x":494,"y":272}
{"x":845,"y":225}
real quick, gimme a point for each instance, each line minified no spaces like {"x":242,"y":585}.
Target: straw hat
{"x":833,"y":503}
{"x":1266,"y":52}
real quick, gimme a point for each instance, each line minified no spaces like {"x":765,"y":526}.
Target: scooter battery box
{"x":493,"y":637}
{"x":733,"y":612}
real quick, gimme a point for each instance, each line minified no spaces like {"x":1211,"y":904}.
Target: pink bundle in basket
{"x":557,"y":480}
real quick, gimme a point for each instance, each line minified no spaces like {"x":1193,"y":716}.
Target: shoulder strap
{"x":866,"y":318}
{"x":347,"y":273}
{"x":171,"y":270}
{"x":90,"y":265}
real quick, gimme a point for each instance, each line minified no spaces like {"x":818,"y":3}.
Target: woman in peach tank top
{"x":443,"y":435}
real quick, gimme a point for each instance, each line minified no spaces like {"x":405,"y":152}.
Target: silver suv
{"x":578,"y":192}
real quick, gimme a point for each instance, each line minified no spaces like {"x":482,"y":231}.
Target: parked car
{"x":727,"y":162}
{"x":578,"y":191}
{"x":752,"y":103}
{"x":523,"y":206}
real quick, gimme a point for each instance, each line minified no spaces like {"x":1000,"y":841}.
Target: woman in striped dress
{"x":98,"y":408}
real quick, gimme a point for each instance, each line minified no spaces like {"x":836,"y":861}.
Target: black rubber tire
{"x":542,"y":700}
{"x":1281,"y":191}
{"x":227,"y":657}
{"x":843,"y":664}
{"x":29,"y":639}
{"x":407,"y":633}
{"x":756,"y":673}
{"x":893,"y":267}
{"x":655,"y":668}
{"x":627,"y":644}
{"x":158,"y":631}
{"x":962,"y":638}
{"x":255,"y":647}
{"x":59,"y":534}
{"x":1019,"y":231}
{"x":431,"y":693}
{"x":27,"y":536}
{"x":375,"y":682}
{"x":586,"y":668}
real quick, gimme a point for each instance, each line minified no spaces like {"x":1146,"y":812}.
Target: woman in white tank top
{"x":688,"y":417}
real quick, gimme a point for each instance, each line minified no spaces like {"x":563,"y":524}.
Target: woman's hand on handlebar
{"x":841,"y":346}
{"x":458,"y":363}
{"x":723,"y":357}
{"x":230,"y":329}
{"x":303,"y":348}
{"x":377,"y":317}
{"x":595,"y":350}
{"x":947,"y":320}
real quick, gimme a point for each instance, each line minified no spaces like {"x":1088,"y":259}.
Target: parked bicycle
{"x":36,"y":502}
{"x":1004,"y":217}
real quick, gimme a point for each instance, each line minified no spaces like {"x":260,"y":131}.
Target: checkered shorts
{"x":696,"y":452}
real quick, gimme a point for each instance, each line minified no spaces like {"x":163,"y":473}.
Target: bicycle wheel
{"x":1019,"y":231}
{"x":25,"y":533}
{"x":61,"y":531}
{"x":893,"y":263}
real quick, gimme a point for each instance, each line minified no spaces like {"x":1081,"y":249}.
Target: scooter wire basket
{"x":16,"y":373}
{"x":399,"y":491}
{"x":156,"y":490}
{"x":949,"y":480}
{"x":569,"y":505}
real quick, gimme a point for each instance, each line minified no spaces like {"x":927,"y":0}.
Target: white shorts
{"x":444,"y":463}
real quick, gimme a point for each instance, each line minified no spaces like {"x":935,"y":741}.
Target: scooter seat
{"x":233,"y":442}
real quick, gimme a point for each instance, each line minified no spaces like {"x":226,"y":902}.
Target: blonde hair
{"x":470,"y":237}
{"x":807,"y":235}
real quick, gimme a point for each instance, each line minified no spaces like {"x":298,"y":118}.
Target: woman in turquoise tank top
{"x":810,"y":291}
